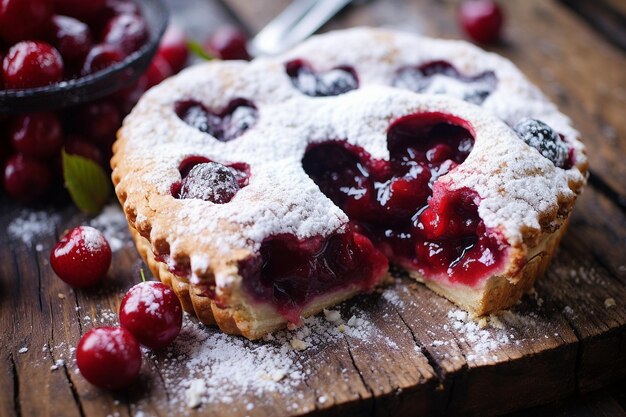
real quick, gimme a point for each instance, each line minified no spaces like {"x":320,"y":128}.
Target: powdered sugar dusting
{"x":515,"y":183}
{"x":112,"y":223}
{"x":30,"y":226}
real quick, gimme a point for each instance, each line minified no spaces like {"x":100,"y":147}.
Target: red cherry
{"x":80,"y":9}
{"x":100,"y":120}
{"x":1,"y":75}
{"x":228,"y":42}
{"x":100,"y":57}
{"x":109,"y":357}
{"x":82,"y":257}
{"x":481,"y":19}
{"x":23,"y":19}
{"x":126,"y":31}
{"x":31,"y":64}
{"x":78,"y":145}
{"x":151,"y":311}
{"x":173,"y":48}
{"x":36,"y":135}
{"x":71,"y":37}
{"x":26,"y":179}
{"x":158,"y":71}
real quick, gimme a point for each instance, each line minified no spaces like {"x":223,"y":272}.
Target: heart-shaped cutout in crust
{"x":441,"y":77}
{"x":391,"y":201}
{"x":336,"y":81}
{"x":225,"y":125}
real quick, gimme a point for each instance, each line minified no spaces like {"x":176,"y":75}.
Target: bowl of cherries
{"x":59,"y":53}
{"x":70,"y":70}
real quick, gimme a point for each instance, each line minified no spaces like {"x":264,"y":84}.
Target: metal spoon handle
{"x":297,"y":22}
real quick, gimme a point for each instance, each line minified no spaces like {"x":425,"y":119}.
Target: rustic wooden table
{"x":407,"y":352}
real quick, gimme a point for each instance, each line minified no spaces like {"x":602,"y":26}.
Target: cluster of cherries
{"x":43,"y":42}
{"x":150,"y":313}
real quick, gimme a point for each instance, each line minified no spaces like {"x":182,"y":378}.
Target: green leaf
{"x":198,"y":50}
{"x":86,"y":182}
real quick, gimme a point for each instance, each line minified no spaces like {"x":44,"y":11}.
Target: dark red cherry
{"x":173,"y":48}
{"x":128,"y":32}
{"x":81,"y":257}
{"x":78,"y":145}
{"x":99,"y":120}
{"x":210,"y":181}
{"x":109,"y":357}
{"x":71,"y":37}
{"x":26,"y":179}
{"x":481,"y":19}
{"x":151,"y":311}
{"x":80,"y":9}
{"x":158,"y":70}
{"x":541,"y":137}
{"x":228,"y":42}
{"x":23,"y":19}
{"x":100,"y":57}
{"x":31,"y":64}
{"x":37,"y":135}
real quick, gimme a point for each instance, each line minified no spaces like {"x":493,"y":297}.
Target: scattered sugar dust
{"x":112,"y":223}
{"x":30,"y":226}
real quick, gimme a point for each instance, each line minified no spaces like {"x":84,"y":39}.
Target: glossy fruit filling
{"x":414,"y":220}
{"x":290,"y":273}
{"x":441,"y":77}
{"x":225,"y":125}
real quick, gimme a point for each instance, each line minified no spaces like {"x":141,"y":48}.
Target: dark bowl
{"x":96,"y":85}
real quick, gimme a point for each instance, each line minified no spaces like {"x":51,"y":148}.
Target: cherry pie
{"x":263,"y":192}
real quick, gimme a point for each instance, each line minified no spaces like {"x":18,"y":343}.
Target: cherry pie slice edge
{"x":159,"y":223}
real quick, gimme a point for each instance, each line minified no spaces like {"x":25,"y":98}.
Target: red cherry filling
{"x":224,"y":125}
{"x":151,"y":311}
{"x":210,"y":181}
{"x":290,"y":273}
{"x":109,"y":357}
{"x":81,"y":257}
{"x":321,"y":84}
{"x":440,"y":77}
{"x":31,"y":64}
{"x":390,"y":201}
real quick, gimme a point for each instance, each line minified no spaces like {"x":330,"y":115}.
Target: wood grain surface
{"x":557,"y":343}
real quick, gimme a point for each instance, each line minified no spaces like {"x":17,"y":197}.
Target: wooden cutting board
{"x":403,"y":351}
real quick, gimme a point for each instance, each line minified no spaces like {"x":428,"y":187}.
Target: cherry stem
{"x":143,"y":276}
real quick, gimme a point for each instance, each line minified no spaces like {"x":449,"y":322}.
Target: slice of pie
{"x":263,"y":192}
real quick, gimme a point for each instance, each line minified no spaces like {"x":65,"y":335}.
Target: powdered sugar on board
{"x":205,"y":368}
{"x":32,"y":226}
{"x":112,"y":223}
